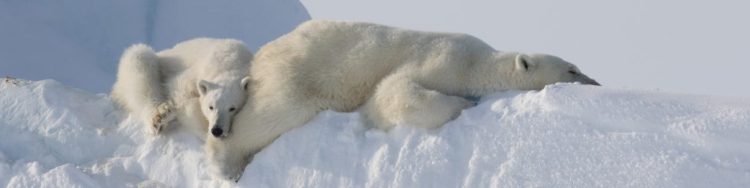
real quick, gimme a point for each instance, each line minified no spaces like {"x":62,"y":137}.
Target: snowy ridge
{"x":562,"y":136}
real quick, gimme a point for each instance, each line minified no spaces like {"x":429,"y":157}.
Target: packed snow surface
{"x":79,"y":42}
{"x":565,"y":135}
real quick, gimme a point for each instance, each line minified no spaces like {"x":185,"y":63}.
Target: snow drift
{"x":562,"y":136}
{"x":79,"y":42}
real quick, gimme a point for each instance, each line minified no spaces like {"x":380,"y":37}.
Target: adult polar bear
{"x":398,"y":77}
{"x":202,"y":82}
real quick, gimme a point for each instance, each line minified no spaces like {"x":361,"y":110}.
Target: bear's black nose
{"x":216,"y":131}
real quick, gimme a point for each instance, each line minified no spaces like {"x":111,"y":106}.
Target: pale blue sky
{"x":697,"y":47}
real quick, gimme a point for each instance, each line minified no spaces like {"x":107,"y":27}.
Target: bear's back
{"x":343,"y":61}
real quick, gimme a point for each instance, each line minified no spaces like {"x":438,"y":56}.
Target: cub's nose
{"x":216,"y":131}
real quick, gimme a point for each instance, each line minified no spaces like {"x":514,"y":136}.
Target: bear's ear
{"x":523,"y":63}
{"x":202,"y":87}
{"x":245,"y":83}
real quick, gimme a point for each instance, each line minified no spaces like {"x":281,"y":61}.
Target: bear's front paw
{"x":469,"y":103}
{"x":162,"y":116}
{"x":458,"y":105}
{"x":235,"y":178}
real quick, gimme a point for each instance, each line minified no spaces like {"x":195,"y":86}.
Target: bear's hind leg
{"x":139,"y":87}
{"x":398,"y":99}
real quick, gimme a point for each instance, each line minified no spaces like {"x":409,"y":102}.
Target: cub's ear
{"x":523,"y":63}
{"x":202,"y":87}
{"x":245,"y":83}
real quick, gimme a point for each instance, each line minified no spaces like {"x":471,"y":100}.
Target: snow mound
{"x":565,"y":135}
{"x":79,"y":42}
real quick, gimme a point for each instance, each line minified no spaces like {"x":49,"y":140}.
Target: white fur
{"x":159,"y":87}
{"x":397,"y":76}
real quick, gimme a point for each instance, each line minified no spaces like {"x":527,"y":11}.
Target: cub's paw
{"x":232,"y":174}
{"x":163,"y":114}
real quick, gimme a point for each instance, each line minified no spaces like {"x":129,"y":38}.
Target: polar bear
{"x":201,"y":82}
{"x":395,"y":76}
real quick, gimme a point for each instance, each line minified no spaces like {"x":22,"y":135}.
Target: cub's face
{"x":220,"y":101}
{"x":539,"y":70}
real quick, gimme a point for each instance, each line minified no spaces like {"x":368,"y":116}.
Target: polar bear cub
{"x":395,"y":76}
{"x":202,"y":82}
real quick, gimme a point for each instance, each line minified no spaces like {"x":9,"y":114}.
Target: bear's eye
{"x":231,"y":109}
{"x":573,"y":72}
{"x":211,"y":107}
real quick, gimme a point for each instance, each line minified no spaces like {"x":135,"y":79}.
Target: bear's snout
{"x":216,"y":131}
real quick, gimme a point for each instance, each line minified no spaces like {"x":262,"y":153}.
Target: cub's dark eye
{"x":573,"y":72}
{"x":231,"y":109}
{"x":211,"y":107}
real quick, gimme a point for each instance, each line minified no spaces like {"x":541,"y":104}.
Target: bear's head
{"x":534,"y":71}
{"x":220,"y":101}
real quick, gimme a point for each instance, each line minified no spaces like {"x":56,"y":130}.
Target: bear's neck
{"x":491,"y":73}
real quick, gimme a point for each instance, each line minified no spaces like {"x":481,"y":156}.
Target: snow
{"x":565,"y":135}
{"x":79,"y":43}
